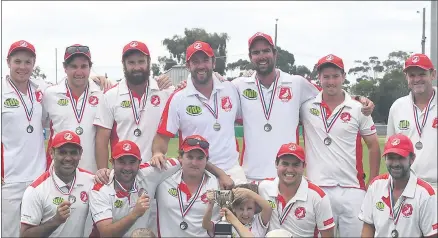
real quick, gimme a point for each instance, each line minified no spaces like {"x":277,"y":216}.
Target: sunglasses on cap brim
{"x":76,"y":49}
{"x":193,"y":142}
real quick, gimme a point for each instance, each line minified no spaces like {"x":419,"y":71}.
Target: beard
{"x":269,"y":68}
{"x":201,"y":79}
{"x":136,"y":77}
{"x":403,"y":173}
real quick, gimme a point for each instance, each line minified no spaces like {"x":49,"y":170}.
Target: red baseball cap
{"x":292,"y":149}
{"x":399,"y":144}
{"x":136,"y":45}
{"x":66,"y":137}
{"x":194,"y":142}
{"x":419,"y":60}
{"x":259,"y":35}
{"x":21,"y":45}
{"x":84,"y":51}
{"x":199,"y":46}
{"x":330,"y":59}
{"x":126,"y":147}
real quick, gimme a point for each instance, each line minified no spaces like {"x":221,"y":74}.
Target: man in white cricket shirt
{"x":72,"y":105}
{"x":206,"y":107}
{"x":333,"y":128}
{"x":415,"y":116}
{"x":298,"y":206}
{"x":399,"y":204}
{"x":270,"y":102}
{"x":56,"y":204}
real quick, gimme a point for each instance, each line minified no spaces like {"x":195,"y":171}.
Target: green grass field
{"x":173,"y":152}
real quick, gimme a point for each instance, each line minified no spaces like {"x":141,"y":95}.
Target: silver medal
{"x":137,"y":132}
{"x":327,"y":141}
{"x":71,"y":199}
{"x":394,"y":233}
{"x":419,"y":145}
{"x":79,"y":130}
{"x":217,"y":126}
{"x":29,"y":129}
{"x":267,"y":127}
{"x":183,"y":225}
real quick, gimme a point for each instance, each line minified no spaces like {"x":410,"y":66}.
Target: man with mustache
{"x":333,"y":128}
{"x":270,"y":102}
{"x":399,"y":204}
{"x":415,"y":116}
{"x":22,"y":146}
{"x":56,"y":204}
{"x":123,"y":205}
{"x":298,"y":206}
{"x":207,"y":107}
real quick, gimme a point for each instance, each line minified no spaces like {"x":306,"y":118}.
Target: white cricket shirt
{"x":260,"y":147}
{"x":115,"y":112}
{"x":186,"y":112}
{"x":418,"y":202}
{"x":168,"y":207}
{"x":42,"y":198}
{"x":106,"y":203}
{"x":23,"y":155}
{"x":340,"y":163}
{"x":304,"y":215}
{"x":402,"y":119}
{"x":59,"y":110}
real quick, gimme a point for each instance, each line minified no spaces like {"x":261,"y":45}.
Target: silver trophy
{"x":223,"y":198}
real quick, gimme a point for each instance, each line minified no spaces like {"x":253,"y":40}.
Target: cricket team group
{"x":106,"y":173}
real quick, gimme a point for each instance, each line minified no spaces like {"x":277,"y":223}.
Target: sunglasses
{"x":75,"y":49}
{"x":193,"y":142}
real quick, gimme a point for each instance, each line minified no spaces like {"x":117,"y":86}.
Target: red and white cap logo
{"x":395,"y":142}
{"x":329,"y":57}
{"x":23,"y":44}
{"x":197,"y":46}
{"x":126,"y":147}
{"x":133,"y":44}
{"x":292,"y":147}
{"x":68,"y":136}
{"x":415,"y":59}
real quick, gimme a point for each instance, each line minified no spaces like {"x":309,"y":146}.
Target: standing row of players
{"x":208,"y":107}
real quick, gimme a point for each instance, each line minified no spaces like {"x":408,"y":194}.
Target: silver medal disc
{"x":267,"y":127}
{"x":29,"y":129}
{"x":419,"y":145}
{"x":394,"y":233}
{"x":137,"y":132}
{"x":79,"y":130}
{"x":183,"y":225}
{"x":327,"y":141}
{"x":71,"y":199}
{"x":217,"y":126}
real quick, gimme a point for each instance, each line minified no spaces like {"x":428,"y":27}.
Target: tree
{"x":37,"y":73}
{"x":177,"y":45}
{"x":285,"y":61}
{"x":155,"y":69}
{"x":166,"y":63}
{"x":240,"y":64}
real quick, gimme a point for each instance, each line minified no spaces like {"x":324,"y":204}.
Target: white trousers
{"x":12,"y":194}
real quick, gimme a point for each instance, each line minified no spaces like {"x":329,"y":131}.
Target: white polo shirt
{"x":115,"y":113}
{"x":23,"y":156}
{"x":260,"y":147}
{"x":42,"y":198}
{"x":106,"y":203}
{"x":257,"y":228}
{"x":185,"y":113}
{"x":340,"y":163}
{"x":59,"y":108}
{"x":306,"y":213}
{"x":401,"y":119}
{"x":168,"y":207}
{"x":418,"y":216}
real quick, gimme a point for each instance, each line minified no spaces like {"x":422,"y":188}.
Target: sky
{"x":309,"y":30}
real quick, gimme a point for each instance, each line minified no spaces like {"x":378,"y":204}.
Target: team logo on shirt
{"x":125,"y":104}
{"x":345,"y":116}
{"x":407,"y":210}
{"x":63,"y":102}
{"x":193,"y":110}
{"x":118,"y":203}
{"x":285,"y":94}
{"x":250,"y":94}
{"x":57,"y":200}
{"x":226,"y":103}
{"x":39,"y":96}
{"x":273,"y":205}
{"x":403,"y":125}
{"x":11,"y":103}
{"x":84,"y":196}
{"x":93,"y":100}
{"x":204,"y":198}
{"x":155,"y":100}
{"x":380,"y":206}
{"x":435,"y":122}
{"x":172,"y":192}
{"x":314,"y":112}
{"x":300,"y":212}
